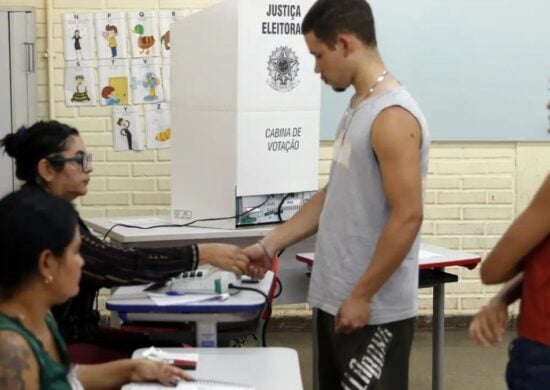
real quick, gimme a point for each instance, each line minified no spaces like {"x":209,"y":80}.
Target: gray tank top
{"x":355,"y":212}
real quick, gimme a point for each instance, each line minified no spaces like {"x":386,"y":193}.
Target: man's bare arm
{"x":302,"y":224}
{"x":396,"y":139}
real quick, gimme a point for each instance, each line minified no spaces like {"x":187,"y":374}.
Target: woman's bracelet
{"x":264,"y":249}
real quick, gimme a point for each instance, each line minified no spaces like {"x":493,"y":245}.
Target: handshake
{"x":254,"y":260}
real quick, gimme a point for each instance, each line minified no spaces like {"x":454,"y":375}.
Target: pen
{"x":181,"y":363}
{"x":174,"y":293}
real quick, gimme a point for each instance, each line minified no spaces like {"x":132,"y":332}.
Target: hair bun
{"x":11,"y":144}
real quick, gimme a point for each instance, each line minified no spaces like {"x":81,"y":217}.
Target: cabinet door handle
{"x":31,"y":66}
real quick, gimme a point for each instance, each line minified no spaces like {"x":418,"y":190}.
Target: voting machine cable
{"x":280,"y":208}
{"x":185,"y":224}
{"x":280,"y":290}
{"x":267,"y":307}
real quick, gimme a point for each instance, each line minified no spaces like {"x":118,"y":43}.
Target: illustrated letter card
{"x":114,"y":78}
{"x":127,"y":132}
{"x":111,"y":30}
{"x":78,"y":36}
{"x":166,"y":18}
{"x":80,"y":89}
{"x":146,"y":83}
{"x":157,"y":125}
{"x":144,"y":34}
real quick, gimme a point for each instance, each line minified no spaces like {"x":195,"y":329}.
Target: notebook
{"x":195,"y":385}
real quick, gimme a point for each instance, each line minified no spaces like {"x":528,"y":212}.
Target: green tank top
{"x":53,"y":375}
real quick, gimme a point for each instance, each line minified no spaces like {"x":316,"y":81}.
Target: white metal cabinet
{"x":17,"y":80}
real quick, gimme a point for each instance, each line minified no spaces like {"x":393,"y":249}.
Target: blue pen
{"x":174,"y":293}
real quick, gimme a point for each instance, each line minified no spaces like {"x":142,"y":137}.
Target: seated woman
{"x":40,"y":267}
{"x":51,"y":156}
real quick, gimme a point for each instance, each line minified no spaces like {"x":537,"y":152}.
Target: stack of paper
{"x":164,"y":298}
{"x":180,"y":299}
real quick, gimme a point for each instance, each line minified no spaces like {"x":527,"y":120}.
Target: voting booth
{"x":245,"y":113}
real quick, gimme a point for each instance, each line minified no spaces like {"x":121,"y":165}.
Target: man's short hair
{"x":328,"y":18}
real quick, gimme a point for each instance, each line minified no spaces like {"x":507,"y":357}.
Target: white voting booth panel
{"x":245,"y":108}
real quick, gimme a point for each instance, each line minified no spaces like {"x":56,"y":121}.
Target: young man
{"x":365,"y":278}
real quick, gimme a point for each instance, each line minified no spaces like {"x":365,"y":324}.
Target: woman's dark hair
{"x":31,"y":221}
{"x":328,"y":18}
{"x":30,"y":145}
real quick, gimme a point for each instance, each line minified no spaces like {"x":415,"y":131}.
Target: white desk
{"x":264,"y":368}
{"x":433,"y":259}
{"x":243,"y":306}
{"x":169,"y":235}
{"x":295,"y":282}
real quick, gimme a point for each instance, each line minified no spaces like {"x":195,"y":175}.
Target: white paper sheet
{"x":424,"y":254}
{"x":167,"y":300}
{"x":197,"y":385}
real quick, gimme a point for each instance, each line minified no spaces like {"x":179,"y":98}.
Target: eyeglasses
{"x":84,"y":159}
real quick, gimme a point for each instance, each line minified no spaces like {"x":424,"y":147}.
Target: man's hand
{"x":352,"y":315}
{"x":224,"y":256}
{"x":148,"y":370}
{"x":488,"y":325}
{"x":260,"y":262}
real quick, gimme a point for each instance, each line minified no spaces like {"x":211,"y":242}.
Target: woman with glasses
{"x":51,"y":156}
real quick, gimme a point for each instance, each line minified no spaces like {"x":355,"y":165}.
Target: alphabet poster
{"x":131,"y":51}
{"x":127,"y":132}
{"x":166,"y":18}
{"x":144,"y":33}
{"x":114,"y":76}
{"x":111,"y":31}
{"x":78,"y":36}
{"x":146,"y":83}
{"x":80,"y":85}
{"x":157,"y":125}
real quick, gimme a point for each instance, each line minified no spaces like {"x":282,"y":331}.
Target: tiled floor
{"x":467,"y":366}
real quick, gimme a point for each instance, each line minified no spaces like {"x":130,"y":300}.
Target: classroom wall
{"x":473,"y":190}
